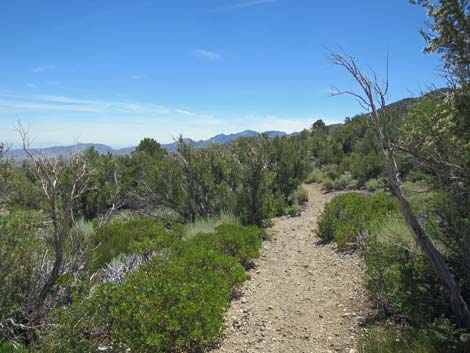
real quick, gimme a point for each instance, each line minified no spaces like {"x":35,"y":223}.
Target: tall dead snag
{"x":63,"y":183}
{"x":373,"y":98}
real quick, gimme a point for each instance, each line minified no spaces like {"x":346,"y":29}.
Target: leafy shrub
{"x":402,"y":282}
{"x":135,"y":235}
{"x":293,"y":211}
{"x":373,"y":185}
{"x":344,"y":182}
{"x":20,"y":252}
{"x":315,"y":176}
{"x":242,"y":243}
{"x":169,"y":304}
{"x":438,"y":337}
{"x":347,"y":216}
{"x":299,"y":196}
{"x":208,"y":225}
{"x":328,"y":185}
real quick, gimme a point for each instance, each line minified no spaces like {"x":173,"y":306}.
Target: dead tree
{"x":63,"y":183}
{"x":372,"y":97}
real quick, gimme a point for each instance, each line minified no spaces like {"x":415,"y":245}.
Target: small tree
{"x":373,"y":98}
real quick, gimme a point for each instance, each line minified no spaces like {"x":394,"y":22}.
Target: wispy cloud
{"x":245,"y":4}
{"x":43,"y":68}
{"x":137,"y":76}
{"x":207,"y":54}
{"x":44,"y":103}
{"x":30,"y":85}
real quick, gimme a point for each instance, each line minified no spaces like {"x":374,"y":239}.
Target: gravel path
{"x":302,"y":296}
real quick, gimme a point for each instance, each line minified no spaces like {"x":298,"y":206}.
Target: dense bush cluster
{"x":348,"y":216}
{"x":174,"y":302}
{"x":398,"y":276}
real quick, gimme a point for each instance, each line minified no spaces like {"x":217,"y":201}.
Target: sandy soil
{"x":302,"y":296}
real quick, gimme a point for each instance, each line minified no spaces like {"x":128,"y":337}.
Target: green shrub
{"x":439,"y":336}
{"x":347,"y":216}
{"x":299,"y":196}
{"x":174,"y":303}
{"x":200,"y":251}
{"x":21,"y":251}
{"x":208,"y":225}
{"x":391,"y":339}
{"x":403,"y":283}
{"x":328,"y":185}
{"x":136,"y":235}
{"x":373,"y":185}
{"x":240,"y":242}
{"x":293,"y":211}
{"x":344,"y":182}
{"x":315,"y":176}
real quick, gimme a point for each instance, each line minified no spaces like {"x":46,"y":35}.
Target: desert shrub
{"x":315,"y":176}
{"x":373,"y":185}
{"x":299,"y":196}
{"x":162,"y":307}
{"x":344,"y":182}
{"x":208,"y":225}
{"x":200,"y":251}
{"x":135,"y":235}
{"x":21,"y":250}
{"x":328,"y":185}
{"x":330,"y":171}
{"x":402,"y":283}
{"x":347,"y":216}
{"x":293,"y":210}
{"x":438,"y":337}
{"x":242,"y":243}
{"x":169,"y":304}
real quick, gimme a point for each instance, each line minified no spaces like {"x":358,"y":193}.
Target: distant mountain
{"x":66,"y":151}
{"x":59,"y":150}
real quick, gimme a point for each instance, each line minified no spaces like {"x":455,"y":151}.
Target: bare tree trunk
{"x":373,"y":95}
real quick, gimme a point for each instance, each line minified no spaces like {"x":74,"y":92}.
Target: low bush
{"x":315,"y":176}
{"x":402,"y":283}
{"x":208,"y":225}
{"x":328,"y":185}
{"x":174,"y":303}
{"x":299,"y":196}
{"x":136,"y":235}
{"x":373,"y":185}
{"x":347,"y":216}
{"x":438,"y":337}
{"x":293,"y":211}
{"x":344,"y":182}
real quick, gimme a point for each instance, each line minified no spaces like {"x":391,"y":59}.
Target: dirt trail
{"x":302,"y":296}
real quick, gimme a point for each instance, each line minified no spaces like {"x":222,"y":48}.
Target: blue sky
{"x":115,"y":71}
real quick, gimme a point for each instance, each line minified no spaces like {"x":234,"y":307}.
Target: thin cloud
{"x":207,"y":54}
{"x":137,"y":76}
{"x":43,"y":68}
{"x":246,"y":4}
{"x":46,"y":103}
{"x":30,"y":85}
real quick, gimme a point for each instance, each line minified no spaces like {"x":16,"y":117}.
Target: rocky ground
{"x":303,"y":296}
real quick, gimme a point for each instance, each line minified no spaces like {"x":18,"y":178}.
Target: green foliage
{"x":315,"y":176}
{"x":20,"y":250}
{"x":403,"y":283}
{"x":299,"y":196}
{"x":347,"y":216}
{"x":436,"y":338}
{"x":135,"y":235}
{"x":172,"y":303}
{"x":293,"y":210}
{"x":373,"y":185}
{"x":208,"y":225}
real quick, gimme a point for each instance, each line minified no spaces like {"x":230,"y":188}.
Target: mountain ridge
{"x":66,"y":151}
